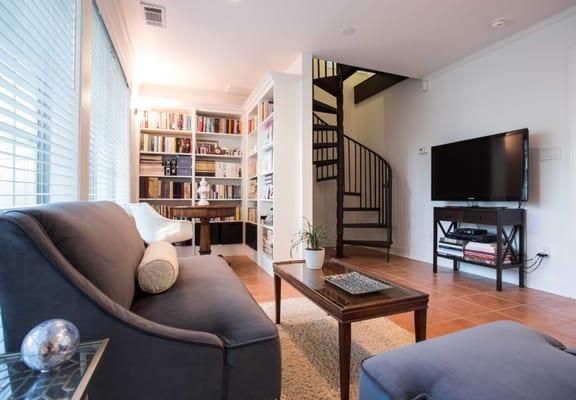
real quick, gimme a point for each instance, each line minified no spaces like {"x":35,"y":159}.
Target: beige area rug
{"x":309,"y":341}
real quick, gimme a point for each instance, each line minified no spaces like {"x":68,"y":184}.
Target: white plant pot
{"x":314,"y":258}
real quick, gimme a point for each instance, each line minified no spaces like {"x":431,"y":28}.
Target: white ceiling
{"x":210,"y":44}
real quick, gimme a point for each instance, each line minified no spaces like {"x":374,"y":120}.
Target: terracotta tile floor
{"x":457,"y":300}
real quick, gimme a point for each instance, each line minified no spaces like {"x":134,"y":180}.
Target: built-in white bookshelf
{"x":272,"y":150}
{"x":201,"y":143}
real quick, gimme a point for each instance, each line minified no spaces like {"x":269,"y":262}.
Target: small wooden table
{"x":205,"y":214}
{"x":347,"y":308}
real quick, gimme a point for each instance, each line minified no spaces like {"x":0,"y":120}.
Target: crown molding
{"x":504,"y":42}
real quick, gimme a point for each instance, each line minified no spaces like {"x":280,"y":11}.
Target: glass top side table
{"x":67,"y":382}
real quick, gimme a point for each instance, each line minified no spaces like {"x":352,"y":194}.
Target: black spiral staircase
{"x":363,"y":178}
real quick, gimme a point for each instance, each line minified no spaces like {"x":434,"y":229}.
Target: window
{"x":39,"y":99}
{"x":109,"y":144}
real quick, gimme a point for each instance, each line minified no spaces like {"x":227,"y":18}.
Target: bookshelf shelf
{"x":223,"y":156}
{"x":164,"y":153}
{"x":206,"y":135}
{"x":167,"y":176}
{"x":231,"y":200}
{"x":236,"y":178}
{"x":162,"y":199}
{"x":171,"y":132}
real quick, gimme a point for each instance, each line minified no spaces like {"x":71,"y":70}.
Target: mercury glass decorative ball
{"x":49,"y":344}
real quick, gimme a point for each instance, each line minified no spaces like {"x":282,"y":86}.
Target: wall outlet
{"x":550,"y":153}
{"x":422,"y":150}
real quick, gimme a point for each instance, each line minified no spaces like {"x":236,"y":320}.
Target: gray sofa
{"x":501,"y":360}
{"x":205,"y":338}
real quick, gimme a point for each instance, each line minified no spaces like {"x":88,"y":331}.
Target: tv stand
{"x":510,"y":232}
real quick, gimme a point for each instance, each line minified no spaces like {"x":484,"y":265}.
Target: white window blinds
{"x":109,"y":148}
{"x":38,"y":102}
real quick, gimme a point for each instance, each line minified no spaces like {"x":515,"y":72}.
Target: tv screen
{"x":489,"y":168}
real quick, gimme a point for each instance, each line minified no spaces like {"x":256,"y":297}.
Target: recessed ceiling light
{"x":499,"y":23}
{"x":347,"y":30}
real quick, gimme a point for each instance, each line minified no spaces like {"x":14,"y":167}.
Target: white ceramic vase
{"x":314,"y":258}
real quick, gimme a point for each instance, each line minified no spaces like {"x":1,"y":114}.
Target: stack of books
{"x":235,"y":217}
{"x":451,"y":247}
{"x":165,"y":144}
{"x":218,"y":125}
{"x":268,"y":134}
{"x":483,"y":252}
{"x":151,"y":165}
{"x":165,"y":120}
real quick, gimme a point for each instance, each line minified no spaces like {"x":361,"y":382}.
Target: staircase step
{"x":328,"y":178}
{"x":347,"y":71}
{"x":322,"y":127}
{"x":364,"y":225}
{"x":369,"y":243}
{"x":361,"y":209}
{"x":352,"y":194}
{"x":323,"y":107}
{"x":327,"y":145}
{"x":323,"y":163}
{"x":331,"y":84}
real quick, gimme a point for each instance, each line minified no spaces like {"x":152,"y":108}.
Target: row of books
{"x":252,"y":123}
{"x":155,"y":188}
{"x":218,"y":125}
{"x":251,"y":217}
{"x":224,"y":192}
{"x":267,"y":108}
{"x":236,"y":217}
{"x":166,"y":120}
{"x":471,"y":251}
{"x":165,"y":144}
{"x":165,"y":165}
{"x":268,"y":187}
{"x":218,"y":169}
{"x":213,"y":147}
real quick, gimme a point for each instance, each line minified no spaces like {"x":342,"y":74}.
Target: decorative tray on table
{"x":356,"y":283}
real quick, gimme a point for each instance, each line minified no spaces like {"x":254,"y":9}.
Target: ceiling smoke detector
{"x":154,"y":15}
{"x":347,"y":30}
{"x":499,"y":23}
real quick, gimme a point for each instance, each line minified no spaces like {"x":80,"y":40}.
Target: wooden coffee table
{"x":347,"y":308}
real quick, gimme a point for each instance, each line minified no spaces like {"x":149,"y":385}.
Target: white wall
{"x":524,"y":82}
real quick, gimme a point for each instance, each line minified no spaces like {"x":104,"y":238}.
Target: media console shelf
{"x":510,"y":231}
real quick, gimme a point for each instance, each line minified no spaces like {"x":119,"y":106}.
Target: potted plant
{"x":310,"y":236}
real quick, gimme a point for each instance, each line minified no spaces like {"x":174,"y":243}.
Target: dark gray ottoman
{"x":501,"y":360}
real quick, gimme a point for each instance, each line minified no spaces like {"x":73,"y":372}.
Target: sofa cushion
{"x":158,"y":269}
{"x":99,"y":239}
{"x":209,"y":297}
{"x":501,"y":360}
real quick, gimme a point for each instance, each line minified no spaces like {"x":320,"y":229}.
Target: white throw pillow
{"x":158,"y":269}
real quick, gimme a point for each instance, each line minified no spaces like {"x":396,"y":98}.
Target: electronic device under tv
{"x":488,"y":168}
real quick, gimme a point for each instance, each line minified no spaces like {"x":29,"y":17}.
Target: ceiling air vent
{"x":154,"y":15}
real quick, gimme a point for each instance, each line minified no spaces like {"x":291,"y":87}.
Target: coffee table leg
{"x":277,"y":296}
{"x":420,"y":324}
{"x":344,"y":338}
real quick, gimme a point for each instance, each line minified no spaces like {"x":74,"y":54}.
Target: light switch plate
{"x":550,"y":153}
{"x":422,"y":150}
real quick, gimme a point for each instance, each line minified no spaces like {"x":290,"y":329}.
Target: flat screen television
{"x":488,"y":168}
